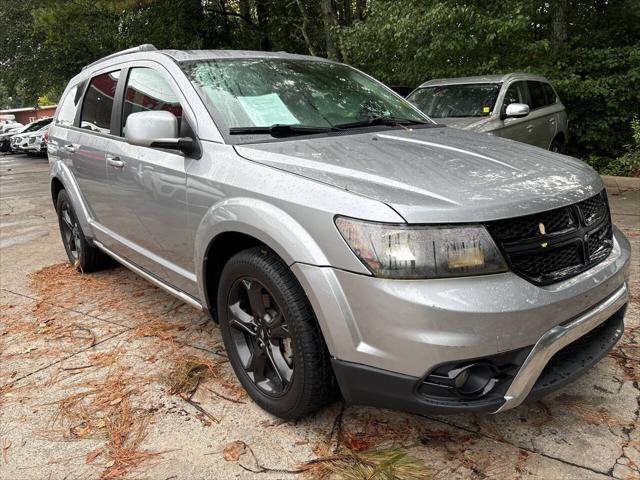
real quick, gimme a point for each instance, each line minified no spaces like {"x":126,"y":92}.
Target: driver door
{"x":519,"y":129}
{"x":149,"y":186}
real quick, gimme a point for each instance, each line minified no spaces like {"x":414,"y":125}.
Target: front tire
{"x":82,"y":255}
{"x":271,"y":336}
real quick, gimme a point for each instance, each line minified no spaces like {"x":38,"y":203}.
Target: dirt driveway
{"x":106,"y":376}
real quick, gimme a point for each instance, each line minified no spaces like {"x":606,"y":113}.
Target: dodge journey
{"x":342,"y":240}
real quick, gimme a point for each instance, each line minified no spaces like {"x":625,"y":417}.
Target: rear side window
{"x":98,"y":102}
{"x":148,"y":90}
{"x":536,"y":90}
{"x":68,"y":108}
{"x":549,"y":94}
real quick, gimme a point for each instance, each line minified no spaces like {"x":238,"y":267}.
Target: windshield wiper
{"x":280,"y":130}
{"x":381,"y":120}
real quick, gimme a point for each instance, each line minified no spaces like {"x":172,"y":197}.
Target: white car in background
{"x":36,"y":142}
{"x":10,"y":125}
{"x":21,"y":140}
{"x":6,"y":134}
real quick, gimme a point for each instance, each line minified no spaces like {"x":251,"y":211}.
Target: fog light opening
{"x":475,"y":380}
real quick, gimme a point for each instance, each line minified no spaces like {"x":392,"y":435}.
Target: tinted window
{"x":68,"y":108}
{"x":517,"y":93}
{"x":536,"y":90}
{"x":148,"y":90}
{"x":98,"y":102}
{"x":549,"y":93}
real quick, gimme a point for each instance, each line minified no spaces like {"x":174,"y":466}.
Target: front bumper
{"x":408,"y":328}
{"x":559,"y":358}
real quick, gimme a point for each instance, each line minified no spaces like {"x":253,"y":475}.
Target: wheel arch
{"x":56,"y":186}
{"x":237,"y":224}
{"x":226,"y":245}
{"x":62,"y":178}
{"x":560,"y":135}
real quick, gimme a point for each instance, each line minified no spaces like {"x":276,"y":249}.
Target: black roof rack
{"x":147,"y":47}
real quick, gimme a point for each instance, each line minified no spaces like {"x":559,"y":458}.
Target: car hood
{"x":436,"y":174}
{"x":465,"y":123}
{"x":22,"y":135}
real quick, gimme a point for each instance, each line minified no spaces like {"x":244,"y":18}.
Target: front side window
{"x":98,"y":103}
{"x":463,"y":100}
{"x":246,"y":94}
{"x":68,"y":108}
{"x":148,"y":90}
{"x":517,"y":93}
{"x":536,"y":90}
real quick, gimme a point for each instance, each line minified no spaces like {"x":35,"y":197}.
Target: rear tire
{"x":272,"y":337}
{"x":82,"y":255}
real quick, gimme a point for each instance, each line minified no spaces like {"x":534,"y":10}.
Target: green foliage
{"x":627,"y":165}
{"x":589,"y":49}
{"x":596,"y":68}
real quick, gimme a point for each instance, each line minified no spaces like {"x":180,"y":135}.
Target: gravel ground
{"x":106,"y":376}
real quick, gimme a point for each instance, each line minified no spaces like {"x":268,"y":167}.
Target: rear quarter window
{"x":68,"y":108}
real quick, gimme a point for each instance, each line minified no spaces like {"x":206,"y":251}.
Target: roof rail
{"x":140,"y":48}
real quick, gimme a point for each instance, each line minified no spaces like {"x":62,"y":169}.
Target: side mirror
{"x":516,"y":110}
{"x":157,"y":129}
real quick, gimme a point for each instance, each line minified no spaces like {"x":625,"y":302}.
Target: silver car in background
{"x":518,"y":106}
{"x":340,"y":238}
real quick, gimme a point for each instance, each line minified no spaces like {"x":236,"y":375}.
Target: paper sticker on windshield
{"x":267,"y":110}
{"x":486,"y":109}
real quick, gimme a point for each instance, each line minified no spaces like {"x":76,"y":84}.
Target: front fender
{"x":61,"y":172}
{"x":263,"y":221}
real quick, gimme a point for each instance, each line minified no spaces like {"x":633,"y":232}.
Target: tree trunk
{"x":360,"y":6}
{"x":559,"y":22}
{"x":262,"y":12}
{"x":346,"y":12}
{"x":330,"y":24}
{"x":305,"y":27}
{"x":245,"y":11}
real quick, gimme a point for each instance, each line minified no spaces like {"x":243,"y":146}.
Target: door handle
{"x":552,"y":121}
{"x":529,"y":128}
{"x":115,"y":161}
{"x":71,"y":148}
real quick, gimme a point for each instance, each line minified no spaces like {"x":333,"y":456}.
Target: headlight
{"x":404,"y":251}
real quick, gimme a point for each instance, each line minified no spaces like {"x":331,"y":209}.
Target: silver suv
{"x":342,"y":240}
{"x":518,"y":106}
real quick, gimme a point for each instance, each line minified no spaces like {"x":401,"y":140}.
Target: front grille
{"x":551,"y":246}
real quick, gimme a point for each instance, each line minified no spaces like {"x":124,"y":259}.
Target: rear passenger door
{"x":148,"y":185}
{"x":87,"y":145}
{"x":542,"y":116}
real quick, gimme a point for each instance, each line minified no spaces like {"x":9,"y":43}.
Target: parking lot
{"x":104,"y":375}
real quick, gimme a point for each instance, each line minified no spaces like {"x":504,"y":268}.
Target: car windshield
{"x":463,"y":100}
{"x":32,"y":127}
{"x":252,"y":96}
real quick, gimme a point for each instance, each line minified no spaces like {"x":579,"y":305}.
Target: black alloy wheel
{"x":272,"y":337}
{"x":82,"y":255}
{"x":261,"y":336}
{"x":70,"y":230}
